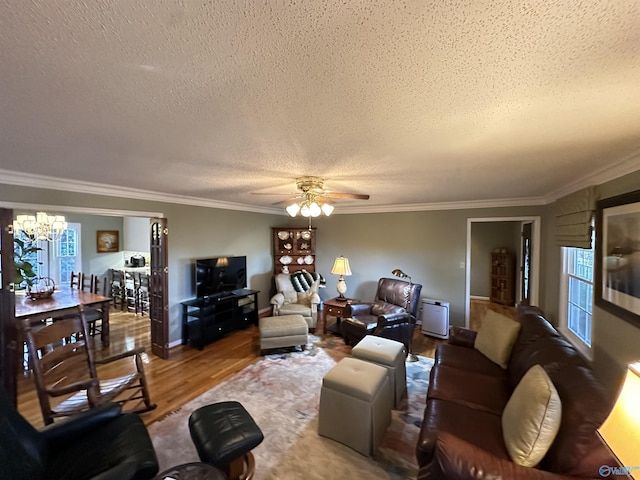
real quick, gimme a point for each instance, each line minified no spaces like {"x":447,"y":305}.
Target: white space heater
{"x":435,"y":318}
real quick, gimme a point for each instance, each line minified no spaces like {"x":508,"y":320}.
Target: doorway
{"x":533,"y":260}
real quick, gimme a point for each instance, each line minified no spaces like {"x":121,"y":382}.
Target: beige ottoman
{"x":388,"y":354}
{"x":355,"y":404}
{"x":283,"y":331}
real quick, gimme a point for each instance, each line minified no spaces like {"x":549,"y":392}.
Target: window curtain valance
{"x":574,"y":215}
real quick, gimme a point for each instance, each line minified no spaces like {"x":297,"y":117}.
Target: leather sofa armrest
{"x":277,"y":299}
{"x":462,"y":336}
{"x":79,"y":425}
{"x":389,"y":319}
{"x":355,"y":309}
{"x":455,"y":458}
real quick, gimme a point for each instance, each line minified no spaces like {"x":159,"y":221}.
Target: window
{"x":55,"y":259}
{"x":576,"y":298}
{"x":66,"y":256}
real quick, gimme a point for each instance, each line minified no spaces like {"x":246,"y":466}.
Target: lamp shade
{"x":293,"y":209}
{"x":341,"y":266}
{"x":621,"y":430}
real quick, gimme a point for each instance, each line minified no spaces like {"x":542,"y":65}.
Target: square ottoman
{"x":283,"y":331}
{"x":355,"y":405}
{"x":389,"y":354}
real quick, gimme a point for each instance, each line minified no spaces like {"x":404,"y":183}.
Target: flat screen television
{"x":220,"y":275}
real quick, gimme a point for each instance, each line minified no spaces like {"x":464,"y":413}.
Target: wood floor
{"x":189,"y":372}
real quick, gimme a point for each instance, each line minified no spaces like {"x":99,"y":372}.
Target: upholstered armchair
{"x":386,"y":316}
{"x":101,"y":443}
{"x":297,"y":295}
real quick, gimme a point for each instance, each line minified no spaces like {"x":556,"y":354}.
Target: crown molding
{"x":419,"y":207}
{"x":10,"y":177}
{"x":605,"y":174}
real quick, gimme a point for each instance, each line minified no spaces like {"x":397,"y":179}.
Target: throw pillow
{"x":496,"y":337}
{"x":531,"y":419}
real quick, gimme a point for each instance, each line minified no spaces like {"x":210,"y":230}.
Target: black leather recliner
{"x":386,"y":316}
{"x":102,"y":443}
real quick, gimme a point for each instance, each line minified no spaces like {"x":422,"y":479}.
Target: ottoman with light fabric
{"x":355,"y":404}
{"x":388,"y":354}
{"x":283,"y":331}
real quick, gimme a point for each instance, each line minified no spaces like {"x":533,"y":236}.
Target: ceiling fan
{"x":313,"y":199}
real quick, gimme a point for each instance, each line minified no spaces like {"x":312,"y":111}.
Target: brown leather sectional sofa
{"x":461,"y":435}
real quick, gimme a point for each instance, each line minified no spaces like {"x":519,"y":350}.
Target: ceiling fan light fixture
{"x":293,"y":209}
{"x":314,"y":209}
{"x":305,"y":211}
{"x":327,"y":209}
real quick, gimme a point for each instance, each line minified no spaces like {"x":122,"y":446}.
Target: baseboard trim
{"x":478,"y":297}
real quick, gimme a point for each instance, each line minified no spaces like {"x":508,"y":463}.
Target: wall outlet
{"x":461,"y":264}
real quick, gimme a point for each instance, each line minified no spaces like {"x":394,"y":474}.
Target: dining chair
{"x":142,"y":296}
{"x":118,"y":288}
{"x":86,"y":282}
{"x":94,"y":315}
{"x":65,"y":369}
{"x":75,"y":280}
{"x":132,"y":282}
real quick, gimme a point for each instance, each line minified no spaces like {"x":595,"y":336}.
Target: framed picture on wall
{"x":108,"y":241}
{"x":617,"y":287}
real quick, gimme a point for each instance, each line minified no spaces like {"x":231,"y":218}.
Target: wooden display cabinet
{"x":502,"y":278}
{"x":297,"y":245}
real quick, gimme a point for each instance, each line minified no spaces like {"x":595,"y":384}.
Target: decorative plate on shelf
{"x":286,"y":260}
{"x":306,"y":235}
{"x":304,"y":246}
{"x":300,"y":260}
{"x":308,"y":259}
{"x":283,"y":235}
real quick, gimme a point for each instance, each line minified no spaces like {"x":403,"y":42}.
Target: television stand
{"x":209,"y":318}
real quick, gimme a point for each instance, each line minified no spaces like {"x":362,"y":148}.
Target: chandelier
{"x":42,"y":226}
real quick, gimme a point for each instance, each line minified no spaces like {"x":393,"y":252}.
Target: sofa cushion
{"x":496,"y":337}
{"x":531,"y":419}
{"x":473,"y":390}
{"x":468,"y":359}
{"x":480,"y":428}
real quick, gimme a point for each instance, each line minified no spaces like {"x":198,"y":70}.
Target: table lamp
{"x":621,"y":429}
{"x":341,"y":267}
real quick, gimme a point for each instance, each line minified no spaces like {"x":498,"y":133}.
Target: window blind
{"x":573,"y":218}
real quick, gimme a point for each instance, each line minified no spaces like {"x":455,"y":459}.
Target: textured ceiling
{"x":412,"y":102}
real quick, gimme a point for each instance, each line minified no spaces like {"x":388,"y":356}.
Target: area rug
{"x":281,"y":391}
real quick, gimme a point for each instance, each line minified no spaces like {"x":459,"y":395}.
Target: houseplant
{"x":24,"y":273}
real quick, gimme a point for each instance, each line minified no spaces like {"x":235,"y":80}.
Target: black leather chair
{"x":102,"y":443}
{"x":386,"y":316}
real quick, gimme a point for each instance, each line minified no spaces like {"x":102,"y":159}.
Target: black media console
{"x":209,"y":318}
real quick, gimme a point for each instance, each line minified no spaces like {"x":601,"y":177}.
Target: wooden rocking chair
{"x":65,"y":370}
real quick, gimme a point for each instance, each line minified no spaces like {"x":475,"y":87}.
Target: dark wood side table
{"x":335,"y":308}
{"x":192,"y":471}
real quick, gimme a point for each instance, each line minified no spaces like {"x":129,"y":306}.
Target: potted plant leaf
{"x":22,"y":253}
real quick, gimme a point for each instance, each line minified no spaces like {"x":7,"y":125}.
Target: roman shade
{"x":574,"y":215}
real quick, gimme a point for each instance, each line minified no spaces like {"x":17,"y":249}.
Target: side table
{"x":335,"y":308}
{"x":192,"y":471}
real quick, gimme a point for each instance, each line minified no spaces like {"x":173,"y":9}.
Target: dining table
{"x":63,"y":298}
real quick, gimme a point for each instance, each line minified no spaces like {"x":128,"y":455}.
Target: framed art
{"x":108,"y":241}
{"x":617,"y":287}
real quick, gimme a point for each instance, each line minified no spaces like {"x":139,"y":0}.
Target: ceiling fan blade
{"x":270,"y":193}
{"x":286,"y":200}
{"x":357,"y":196}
